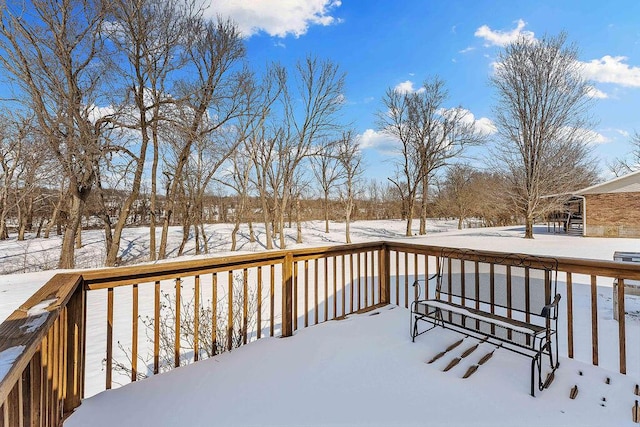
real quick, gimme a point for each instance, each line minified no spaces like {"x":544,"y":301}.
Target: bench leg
{"x":414,"y":331}
{"x":536,"y":361}
{"x":555,"y":365}
{"x":533,"y":370}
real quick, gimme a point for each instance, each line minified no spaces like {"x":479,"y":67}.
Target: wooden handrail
{"x":27,"y":327}
{"x":122,"y":276}
{"x":613,"y":269}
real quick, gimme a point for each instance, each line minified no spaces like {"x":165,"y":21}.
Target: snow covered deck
{"x":363,"y":371}
{"x":359,"y":371}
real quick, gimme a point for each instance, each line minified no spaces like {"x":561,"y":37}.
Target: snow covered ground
{"x":364,"y":370}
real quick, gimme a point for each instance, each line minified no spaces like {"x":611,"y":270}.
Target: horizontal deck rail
{"x":152,"y":318}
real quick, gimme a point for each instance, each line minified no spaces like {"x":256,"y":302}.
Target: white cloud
{"x":278,"y":18}
{"x":593,"y":92}
{"x":623,"y":132}
{"x":483,"y":125}
{"x":593,"y":137}
{"x":407,"y":87}
{"x":96,"y":113}
{"x":587,"y":136}
{"x":378,"y":141}
{"x":503,"y":38}
{"x":612,"y":69}
{"x":467,"y":50}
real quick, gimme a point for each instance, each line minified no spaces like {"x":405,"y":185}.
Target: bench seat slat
{"x":505,"y":322}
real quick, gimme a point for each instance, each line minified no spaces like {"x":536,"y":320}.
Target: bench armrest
{"x":546,"y":310}
{"x":417,"y":282}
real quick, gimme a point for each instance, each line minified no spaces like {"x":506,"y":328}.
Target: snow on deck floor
{"x":362,"y":371}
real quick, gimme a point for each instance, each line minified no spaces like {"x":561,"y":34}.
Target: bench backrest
{"x":518,"y":282}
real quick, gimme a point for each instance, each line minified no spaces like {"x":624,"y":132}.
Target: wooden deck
{"x":64,"y":332}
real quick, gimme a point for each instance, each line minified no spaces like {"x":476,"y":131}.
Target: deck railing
{"x":126,"y":323}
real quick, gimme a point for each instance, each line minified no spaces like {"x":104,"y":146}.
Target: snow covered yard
{"x":362,"y":371}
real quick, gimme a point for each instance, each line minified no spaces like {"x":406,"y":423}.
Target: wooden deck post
{"x":75,"y":359}
{"x":621,"y":327}
{"x":384,"y":274}
{"x":287,"y":296}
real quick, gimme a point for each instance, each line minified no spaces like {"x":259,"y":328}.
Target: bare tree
{"x":209,"y":153}
{"x":296,"y":209}
{"x":326,"y":171}
{"x":430,"y":136}
{"x":263,"y":155}
{"x":350,"y":160}
{"x":239,"y":181}
{"x":631,"y":162}
{"x":458,"y":196}
{"x":320,"y":86}
{"x":543,"y":122}
{"x":57,"y":203}
{"x":308,"y":113}
{"x":209,"y":100}
{"x":53,"y":57}
{"x":248,"y":132}
{"x":149,"y":37}
{"x":31,"y":177}
{"x":11,"y":149}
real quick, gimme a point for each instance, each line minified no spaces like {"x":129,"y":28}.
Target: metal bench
{"x":508,"y":298}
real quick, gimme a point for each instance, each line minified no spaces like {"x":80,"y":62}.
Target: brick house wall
{"x":613,"y":215}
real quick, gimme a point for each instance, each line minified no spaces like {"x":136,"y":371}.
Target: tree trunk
{"x":267,"y":221}
{"x":79,"y":236}
{"x":114,"y":249}
{"x":299,"y":223}
{"x":153,"y":202}
{"x":186,"y":226}
{"x":460,"y":219}
{"x":54,"y":217}
{"x":105,"y":215}
{"x":348,"y":223}
{"x":40,"y":224}
{"x":20,"y":222}
{"x":3,"y":220}
{"x":281,"y":222}
{"x":528,"y":229}
{"x":67,"y":252}
{"x":423,"y":208}
{"x":21,"y":231}
{"x":234,"y":235}
{"x":408,"y":232}
{"x":196,"y":235}
{"x":168,"y":210}
{"x":252,"y":234}
{"x":25,"y":217}
{"x":205,"y":241}
{"x":326,"y":212}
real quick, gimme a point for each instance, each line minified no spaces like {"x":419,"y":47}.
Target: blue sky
{"x":382,"y":44}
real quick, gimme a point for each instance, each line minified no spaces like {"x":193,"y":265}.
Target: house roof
{"x":629,"y":183}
